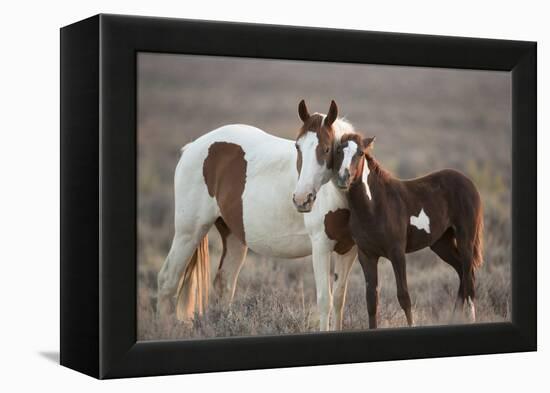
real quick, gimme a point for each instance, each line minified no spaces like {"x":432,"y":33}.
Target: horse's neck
{"x":370,"y":193}
{"x":335,"y":195}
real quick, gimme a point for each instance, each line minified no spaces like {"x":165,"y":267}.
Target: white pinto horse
{"x":245,"y":182}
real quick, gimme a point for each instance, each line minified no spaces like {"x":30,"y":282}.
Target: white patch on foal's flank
{"x":422,"y":222}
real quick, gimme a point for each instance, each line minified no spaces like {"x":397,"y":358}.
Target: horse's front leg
{"x":342,"y":267}
{"x":321,"y":269}
{"x":369,"y":264}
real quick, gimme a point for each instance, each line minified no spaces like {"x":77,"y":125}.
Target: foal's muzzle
{"x":342,"y":182}
{"x":306,"y":205}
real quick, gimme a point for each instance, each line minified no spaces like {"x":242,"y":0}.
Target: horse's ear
{"x":302,"y":111}
{"x":332,"y":114}
{"x":368,"y":143}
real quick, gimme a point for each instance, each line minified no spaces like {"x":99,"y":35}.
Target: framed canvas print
{"x":240,"y":196}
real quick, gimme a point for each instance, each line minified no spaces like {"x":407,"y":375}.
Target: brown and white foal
{"x":392,"y":217}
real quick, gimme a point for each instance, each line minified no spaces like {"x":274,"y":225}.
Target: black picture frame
{"x":98,"y":195}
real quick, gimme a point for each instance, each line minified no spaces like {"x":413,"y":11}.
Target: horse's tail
{"x":478,"y":240}
{"x":192,"y":294}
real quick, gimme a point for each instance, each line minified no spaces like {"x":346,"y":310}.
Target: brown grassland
{"x":424,"y":119}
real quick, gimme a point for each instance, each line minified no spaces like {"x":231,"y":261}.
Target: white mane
{"x":341,"y":126}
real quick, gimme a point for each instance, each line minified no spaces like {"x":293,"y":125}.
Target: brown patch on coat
{"x":313,"y":124}
{"x":224,"y":172}
{"x":325,"y":135}
{"x":322,"y":126}
{"x":337,"y":228}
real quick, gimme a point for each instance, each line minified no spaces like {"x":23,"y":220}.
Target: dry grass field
{"x":424,"y":119}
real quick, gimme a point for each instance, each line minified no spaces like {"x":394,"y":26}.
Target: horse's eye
{"x":327,"y":149}
{"x":296,"y":146}
{"x":360,"y":153}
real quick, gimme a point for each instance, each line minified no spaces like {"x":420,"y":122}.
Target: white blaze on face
{"x":349,"y":152}
{"x":422,"y":221}
{"x":312,"y":174}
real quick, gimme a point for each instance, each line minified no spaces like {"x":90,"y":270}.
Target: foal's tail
{"x":194,"y":284}
{"x":478,"y":240}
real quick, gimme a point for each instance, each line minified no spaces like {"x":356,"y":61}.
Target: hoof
{"x":464,"y":312}
{"x":470,"y":310}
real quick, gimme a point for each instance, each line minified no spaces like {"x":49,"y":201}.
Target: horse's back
{"x":450,"y":180}
{"x":446,"y":195}
{"x":250,"y":176}
{"x":248,"y":137}
{"x":457,"y":184}
{"x":251,"y":140}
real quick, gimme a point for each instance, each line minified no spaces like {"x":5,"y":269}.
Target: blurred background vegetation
{"x":424,"y":119}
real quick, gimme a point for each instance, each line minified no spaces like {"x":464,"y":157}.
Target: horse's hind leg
{"x":190,"y":230}
{"x":465,"y":246}
{"x":446,"y":249}
{"x":342,"y":267}
{"x":182,"y":249}
{"x":399,"y":264}
{"x":232,"y":260}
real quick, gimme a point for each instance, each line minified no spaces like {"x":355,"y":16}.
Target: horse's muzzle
{"x":343,"y":182}
{"x":305,"y":206}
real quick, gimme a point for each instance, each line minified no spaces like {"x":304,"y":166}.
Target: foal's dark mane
{"x":374,"y":166}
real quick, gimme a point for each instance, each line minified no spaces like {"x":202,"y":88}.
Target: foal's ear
{"x":332,"y":114}
{"x":302,"y":111}
{"x":368,"y":143}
